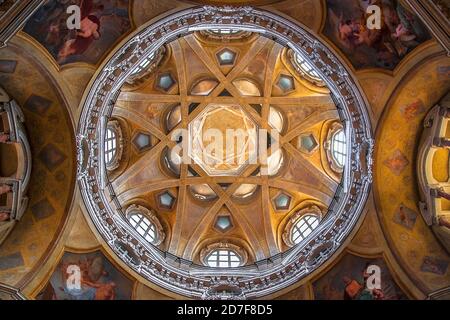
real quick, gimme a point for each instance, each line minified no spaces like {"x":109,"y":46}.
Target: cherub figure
{"x":89,"y":32}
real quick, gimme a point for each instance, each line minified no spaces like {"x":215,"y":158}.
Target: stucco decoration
{"x":268,"y":276}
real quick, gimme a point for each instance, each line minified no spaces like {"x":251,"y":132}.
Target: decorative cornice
{"x":14,"y":16}
{"x":267,"y":276}
{"x":434,"y":14}
{"x":10,"y":293}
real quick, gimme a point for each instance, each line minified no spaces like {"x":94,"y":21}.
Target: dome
{"x":227,"y":116}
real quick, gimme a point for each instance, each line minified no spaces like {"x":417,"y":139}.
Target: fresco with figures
{"x":103,"y":23}
{"x":347,"y":281}
{"x":99,"y":280}
{"x":401,"y":31}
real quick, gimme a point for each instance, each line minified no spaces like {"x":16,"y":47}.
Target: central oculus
{"x":223,"y":140}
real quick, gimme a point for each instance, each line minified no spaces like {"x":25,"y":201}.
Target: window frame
{"x":240,"y":253}
{"x":217,"y":35}
{"x":147,"y":66}
{"x":338,"y":155}
{"x":293,"y":221}
{"x":149,"y":215}
{"x":311,"y":75}
{"x":110,"y":151}
{"x":297,"y":227}
{"x":114,"y":162}
{"x":334,"y":129}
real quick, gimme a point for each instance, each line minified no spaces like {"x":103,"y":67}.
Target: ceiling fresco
{"x":108,"y":21}
{"x":401,"y":31}
{"x":346,"y":281}
{"x":111,"y":193}
{"x":100,"y":280}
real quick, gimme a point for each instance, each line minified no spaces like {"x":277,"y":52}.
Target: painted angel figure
{"x":351,"y":30}
{"x":89,"y":32}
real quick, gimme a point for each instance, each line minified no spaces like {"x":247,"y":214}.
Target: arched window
{"x":245,"y":191}
{"x":223,"y":255}
{"x":145,"y":227}
{"x":303,"y":228}
{"x":247,"y":88}
{"x":276,"y":119}
{"x":144,"y":64}
{"x":110,"y":145}
{"x":147,"y":66}
{"x":224,"y":31}
{"x":307,"y":70}
{"x":204,"y":87}
{"x":173,"y":118}
{"x":275,"y":162}
{"x":146,"y":224}
{"x":223,"y":258}
{"x":202,"y":192}
{"x":113,"y":145}
{"x":338,"y":148}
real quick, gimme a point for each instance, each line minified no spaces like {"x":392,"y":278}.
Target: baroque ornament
{"x":185,"y":277}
